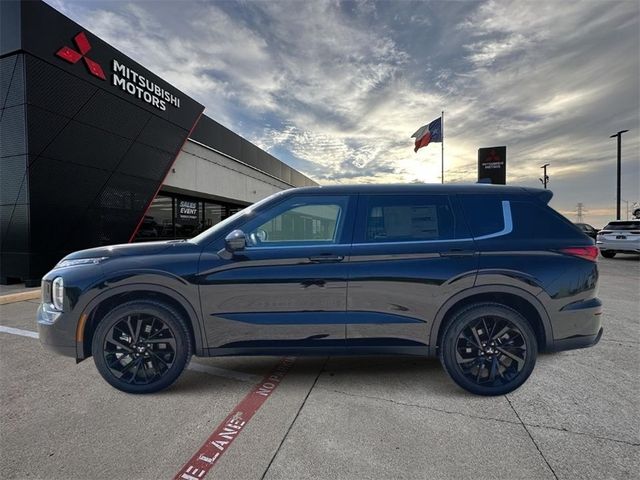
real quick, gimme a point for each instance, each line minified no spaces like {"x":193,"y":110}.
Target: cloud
{"x":336,"y":88}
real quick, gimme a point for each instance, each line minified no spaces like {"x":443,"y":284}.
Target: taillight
{"x":588,"y":253}
{"x":604,"y":232}
{"x":635,"y":232}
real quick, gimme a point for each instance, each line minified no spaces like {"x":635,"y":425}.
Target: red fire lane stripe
{"x":224,"y":435}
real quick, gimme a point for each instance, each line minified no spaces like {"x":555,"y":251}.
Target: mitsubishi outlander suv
{"x":482,"y":276}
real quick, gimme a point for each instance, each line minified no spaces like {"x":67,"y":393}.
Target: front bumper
{"x":57,"y":332}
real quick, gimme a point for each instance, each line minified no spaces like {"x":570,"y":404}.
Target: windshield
{"x":630,"y":225}
{"x":214,"y":231}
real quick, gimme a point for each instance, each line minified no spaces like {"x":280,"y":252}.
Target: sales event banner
{"x":187,"y":212}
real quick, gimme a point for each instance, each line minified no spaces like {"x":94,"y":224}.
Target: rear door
{"x":410,"y":253}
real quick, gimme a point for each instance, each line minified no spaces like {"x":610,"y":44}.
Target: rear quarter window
{"x":530,"y":218}
{"x":533,"y":220}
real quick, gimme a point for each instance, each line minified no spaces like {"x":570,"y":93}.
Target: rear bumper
{"x":579,"y":341}
{"x":577,"y":325}
{"x":621,"y":246}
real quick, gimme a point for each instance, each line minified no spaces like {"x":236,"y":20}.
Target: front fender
{"x":163,"y":283}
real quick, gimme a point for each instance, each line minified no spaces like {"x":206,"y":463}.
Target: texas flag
{"x":428,"y":133}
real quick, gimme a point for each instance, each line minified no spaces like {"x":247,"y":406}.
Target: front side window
{"x":406,"y":218}
{"x":299,"y":221}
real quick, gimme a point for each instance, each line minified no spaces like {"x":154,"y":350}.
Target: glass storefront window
{"x":158,"y":222}
{"x":232,"y":210}
{"x":175,"y":217}
{"x":213,"y":213}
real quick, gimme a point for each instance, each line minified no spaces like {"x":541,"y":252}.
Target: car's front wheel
{"x":488,"y":349}
{"x":141,"y":346}
{"x":607,"y":253}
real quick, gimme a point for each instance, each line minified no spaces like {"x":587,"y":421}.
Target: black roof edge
{"x":542,"y":195}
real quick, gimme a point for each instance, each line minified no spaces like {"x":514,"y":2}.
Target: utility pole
{"x":545,"y":177}
{"x":619,"y":136}
{"x":580,"y":211}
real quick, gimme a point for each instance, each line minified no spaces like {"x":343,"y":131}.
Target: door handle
{"x":457,"y":252}
{"x":326,"y":258}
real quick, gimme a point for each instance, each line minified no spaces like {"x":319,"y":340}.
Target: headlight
{"x":80,"y":261}
{"x":57,"y":294}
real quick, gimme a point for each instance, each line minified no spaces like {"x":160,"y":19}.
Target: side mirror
{"x":235,"y":241}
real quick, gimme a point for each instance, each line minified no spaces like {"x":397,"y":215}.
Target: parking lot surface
{"x":340,"y":418}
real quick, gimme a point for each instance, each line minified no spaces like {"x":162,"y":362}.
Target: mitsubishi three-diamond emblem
{"x":73,"y":56}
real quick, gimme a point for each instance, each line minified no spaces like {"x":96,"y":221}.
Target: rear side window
{"x":407,"y":218}
{"x":484,"y":213}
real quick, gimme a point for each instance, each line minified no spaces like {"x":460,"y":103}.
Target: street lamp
{"x":545,"y":177}
{"x":619,"y":135}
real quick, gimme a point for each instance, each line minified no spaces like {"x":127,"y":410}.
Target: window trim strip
{"x":506,"y":230}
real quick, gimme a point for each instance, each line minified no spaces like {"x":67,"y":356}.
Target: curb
{"x":19,"y":297}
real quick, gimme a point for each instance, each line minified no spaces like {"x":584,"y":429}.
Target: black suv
{"x":483,"y":276}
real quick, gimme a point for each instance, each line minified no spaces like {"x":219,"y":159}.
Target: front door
{"x":410,"y":254}
{"x":287,"y":288}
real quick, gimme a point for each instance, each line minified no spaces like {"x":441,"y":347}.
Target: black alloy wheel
{"x":489,"y":349}
{"x":141,"y":347}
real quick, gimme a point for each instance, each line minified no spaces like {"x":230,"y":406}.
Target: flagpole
{"x":442,"y":145}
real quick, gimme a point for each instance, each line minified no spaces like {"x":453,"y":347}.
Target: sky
{"x":336,"y":89}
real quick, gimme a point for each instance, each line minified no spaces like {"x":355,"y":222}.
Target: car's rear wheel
{"x":607,"y":253}
{"x":141,"y":346}
{"x":489,"y":349}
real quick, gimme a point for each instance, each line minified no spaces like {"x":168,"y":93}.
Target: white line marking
{"x":196,"y":367}
{"x":18,"y":331}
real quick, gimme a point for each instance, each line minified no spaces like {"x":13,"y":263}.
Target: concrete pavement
{"x":366,"y":417}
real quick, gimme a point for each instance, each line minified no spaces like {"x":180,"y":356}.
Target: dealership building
{"x":95,"y":149}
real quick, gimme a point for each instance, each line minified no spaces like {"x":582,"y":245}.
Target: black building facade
{"x":87,"y":137}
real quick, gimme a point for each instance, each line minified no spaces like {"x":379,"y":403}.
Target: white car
{"x":619,"y":236}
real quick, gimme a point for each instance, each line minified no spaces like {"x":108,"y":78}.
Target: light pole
{"x":619,"y":135}
{"x":545,"y":177}
{"x":627,"y":202}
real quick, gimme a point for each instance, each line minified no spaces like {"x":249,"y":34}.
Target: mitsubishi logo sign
{"x":72,"y":56}
{"x":123,"y":77}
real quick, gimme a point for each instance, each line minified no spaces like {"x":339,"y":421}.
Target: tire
{"x":607,"y":253}
{"x":141,"y":346}
{"x":472,"y":365}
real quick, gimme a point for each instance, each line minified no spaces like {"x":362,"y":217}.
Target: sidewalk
{"x":17,"y":293}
